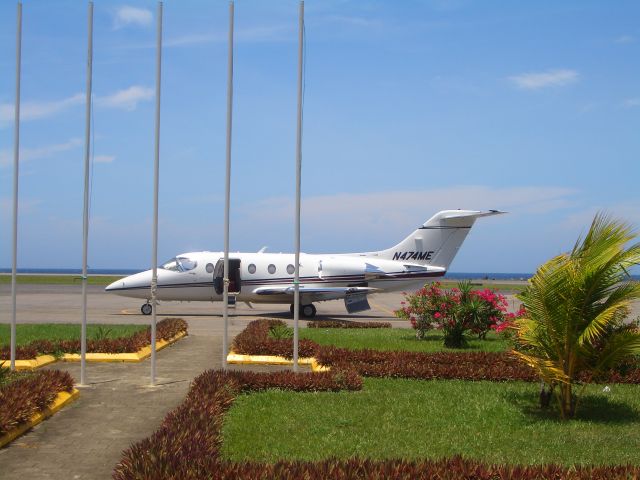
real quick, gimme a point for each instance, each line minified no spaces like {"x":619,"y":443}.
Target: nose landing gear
{"x":146,"y":309}
{"x":306,"y":311}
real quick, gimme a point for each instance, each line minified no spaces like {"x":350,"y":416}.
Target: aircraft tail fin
{"x":438,"y":240}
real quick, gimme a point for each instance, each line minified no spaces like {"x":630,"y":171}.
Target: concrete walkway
{"x":85,"y":439}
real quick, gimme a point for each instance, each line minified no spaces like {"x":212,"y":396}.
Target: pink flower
{"x":437,"y":315}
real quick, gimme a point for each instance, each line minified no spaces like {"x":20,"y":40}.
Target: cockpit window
{"x":180,"y":264}
{"x":187,"y":263}
{"x":172,"y":265}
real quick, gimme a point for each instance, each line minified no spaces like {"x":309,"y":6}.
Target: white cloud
{"x":382,"y":215}
{"x":624,"y":39}
{"x":126,"y":99}
{"x":257,"y":34}
{"x":28,"y":154}
{"x":104,"y":158}
{"x":128,"y":15}
{"x":35,"y":110}
{"x":628,"y":212}
{"x":550,"y":78}
{"x":631,"y":102}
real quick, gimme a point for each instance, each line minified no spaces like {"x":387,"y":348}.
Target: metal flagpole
{"x":156,"y":177}
{"x":16,"y":158}
{"x":225,"y":295}
{"x":85,"y":216}
{"x":296,"y":281}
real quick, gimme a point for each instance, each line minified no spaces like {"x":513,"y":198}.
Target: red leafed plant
{"x":29,"y":394}
{"x":256,"y":340}
{"x":166,"y":329}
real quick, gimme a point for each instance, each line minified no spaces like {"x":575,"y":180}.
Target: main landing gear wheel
{"x":146,"y":309}
{"x":306,"y":311}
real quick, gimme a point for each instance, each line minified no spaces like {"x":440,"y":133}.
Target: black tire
{"x":308,"y":311}
{"x":146,"y":309}
{"x":291,"y":310}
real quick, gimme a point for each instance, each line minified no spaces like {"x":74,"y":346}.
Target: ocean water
{"x":129,"y":271}
{"x":74,"y":271}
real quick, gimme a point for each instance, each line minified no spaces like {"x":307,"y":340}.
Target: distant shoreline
{"x":451,"y":276}
{"x":123,"y":271}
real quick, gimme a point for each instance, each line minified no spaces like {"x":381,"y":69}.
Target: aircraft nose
{"x":117,"y":285}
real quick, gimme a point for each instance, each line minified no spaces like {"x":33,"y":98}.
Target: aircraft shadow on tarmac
{"x":272,"y":315}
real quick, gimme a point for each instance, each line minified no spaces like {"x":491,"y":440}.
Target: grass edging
{"x":255,"y":341}
{"x":187,"y":443}
{"x":138,"y":356}
{"x":61,"y":400}
{"x":240,"y":359}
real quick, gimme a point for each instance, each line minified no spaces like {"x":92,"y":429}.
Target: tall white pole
{"x":156,"y":178}
{"x":225,"y":294}
{"x":296,"y":281}
{"x":16,"y":162}
{"x":85,"y":216}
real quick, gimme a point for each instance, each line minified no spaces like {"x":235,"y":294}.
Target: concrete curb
{"x":30,"y":364}
{"x":61,"y":400}
{"x":138,"y":356}
{"x":239,"y":359}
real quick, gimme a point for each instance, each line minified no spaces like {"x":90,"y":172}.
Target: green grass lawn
{"x":26,"y":333}
{"x":389,"y":339}
{"x":59,"y":279}
{"x":396,"y":418}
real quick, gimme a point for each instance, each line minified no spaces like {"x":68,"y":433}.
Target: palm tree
{"x":575,"y":305}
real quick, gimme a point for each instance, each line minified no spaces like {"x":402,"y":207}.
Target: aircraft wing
{"x":335,"y":292}
{"x":355,"y":298}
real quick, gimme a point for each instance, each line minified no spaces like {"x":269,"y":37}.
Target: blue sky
{"x":410,"y":107}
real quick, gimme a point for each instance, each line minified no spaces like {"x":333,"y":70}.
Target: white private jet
{"x":268,"y":277}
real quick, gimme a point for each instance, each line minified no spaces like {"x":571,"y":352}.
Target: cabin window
{"x":271,"y":269}
{"x":209,"y":267}
{"x":252,"y":268}
{"x":291,"y":269}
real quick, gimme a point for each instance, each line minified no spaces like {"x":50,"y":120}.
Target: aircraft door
{"x":234,"y":276}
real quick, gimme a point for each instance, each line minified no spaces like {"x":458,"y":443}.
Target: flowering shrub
{"x":506,"y":326}
{"x":453,"y":311}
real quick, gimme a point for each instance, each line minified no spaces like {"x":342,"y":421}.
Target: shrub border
{"x":138,"y":356}
{"x":171,"y":452}
{"x":61,"y":400}
{"x":256,"y":347}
